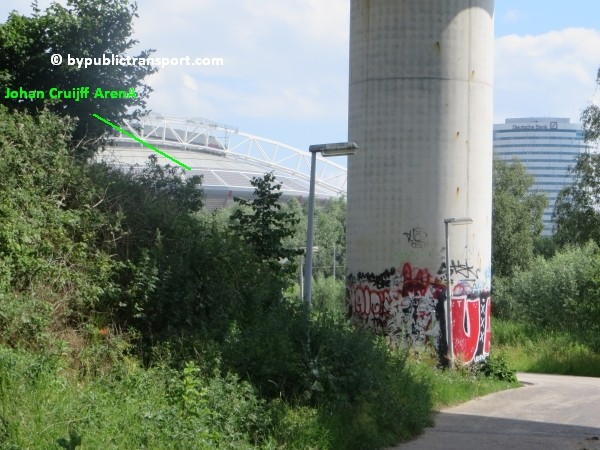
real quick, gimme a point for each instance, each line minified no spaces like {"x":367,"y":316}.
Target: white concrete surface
{"x":420,"y":109}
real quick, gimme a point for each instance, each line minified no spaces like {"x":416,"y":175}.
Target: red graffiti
{"x":371,"y":302}
{"x":418,"y":282}
{"x":470,"y":328}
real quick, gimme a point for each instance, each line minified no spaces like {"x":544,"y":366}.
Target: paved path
{"x":550,"y":412}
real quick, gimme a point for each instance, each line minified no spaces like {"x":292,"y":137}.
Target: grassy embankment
{"x":531,"y":348}
{"x":114,"y":402}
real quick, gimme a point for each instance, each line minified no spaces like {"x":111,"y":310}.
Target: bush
{"x":329,"y":296}
{"x":496,"y":367}
{"x":561,"y":293}
{"x":24,"y":321}
{"x":365,"y":396}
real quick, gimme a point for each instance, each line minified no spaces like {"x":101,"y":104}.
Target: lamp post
{"x":339,"y":149}
{"x":453,"y":221}
{"x":315,"y":249}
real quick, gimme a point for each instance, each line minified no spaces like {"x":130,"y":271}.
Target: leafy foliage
{"x":517,"y":218}
{"x":497,"y":367}
{"x":53,"y":238}
{"x":263,"y":224}
{"x":82,"y":29}
{"x":561,"y":293}
{"x":590,"y":119}
{"x":117,"y":285}
{"x":330,"y":237}
{"x":577,"y":212}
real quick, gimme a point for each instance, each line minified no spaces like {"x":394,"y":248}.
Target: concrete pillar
{"x":420,"y":109}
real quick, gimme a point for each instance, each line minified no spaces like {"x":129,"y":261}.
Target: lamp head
{"x":337,"y":149}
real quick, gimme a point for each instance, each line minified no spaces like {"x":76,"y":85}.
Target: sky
{"x":285,"y":71}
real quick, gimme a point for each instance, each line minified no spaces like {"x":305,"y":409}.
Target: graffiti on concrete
{"x":471,"y":330}
{"x":403,"y":305}
{"x":407,"y":306}
{"x":416,"y":237}
{"x":462,"y":270}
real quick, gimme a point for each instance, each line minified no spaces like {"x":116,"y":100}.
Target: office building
{"x":548,"y":147}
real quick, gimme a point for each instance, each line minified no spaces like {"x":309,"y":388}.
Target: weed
{"x":496,"y":367}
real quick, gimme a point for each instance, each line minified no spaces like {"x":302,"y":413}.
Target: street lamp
{"x":453,"y":221}
{"x":315,"y":249}
{"x":339,"y":149}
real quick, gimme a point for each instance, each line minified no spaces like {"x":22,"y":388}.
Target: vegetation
{"x":517,"y":218}
{"x":81,"y":29}
{"x":131,"y":318}
{"x":531,"y":348}
{"x":547,"y":313}
{"x":560,"y":293}
{"x":266,"y":226}
{"x":546,"y":319}
{"x":577,"y":212}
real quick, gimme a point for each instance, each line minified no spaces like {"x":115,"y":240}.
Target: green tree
{"x":330,"y":236}
{"x":156,"y":243}
{"x":266,"y":226}
{"x":577,"y":211}
{"x":516,"y":217}
{"x":82,"y":29}
{"x":590,"y":118}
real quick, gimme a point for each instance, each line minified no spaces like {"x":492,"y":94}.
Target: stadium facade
{"x":548,"y":147}
{"x":226,"y":158}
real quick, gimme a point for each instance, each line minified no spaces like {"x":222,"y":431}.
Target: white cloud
{"x":189,"y":82}
{"x":548,"y":74}
{"x":312,"y":19}
{"x":285,"y":62}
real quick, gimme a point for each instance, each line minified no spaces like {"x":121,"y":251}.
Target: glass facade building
{"x":548,"y":147}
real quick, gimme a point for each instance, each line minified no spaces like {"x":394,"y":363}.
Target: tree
{"x":516,"y":217}
{"x":577,"y":211}
{"x":265,"y":226}
{"x":82,"y":29}
{"x":590,"y":118}
{"x":330,"y":235}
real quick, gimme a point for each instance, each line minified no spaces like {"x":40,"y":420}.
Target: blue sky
{"x":286,"y":61}
{"x":537,"y":16}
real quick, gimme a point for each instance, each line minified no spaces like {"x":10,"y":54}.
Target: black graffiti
{"x":375,"y":324}
{"x":379,"y":281}
{"x":415,"y":237}
{"x":463,"y":270}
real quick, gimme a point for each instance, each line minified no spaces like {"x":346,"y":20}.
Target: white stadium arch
{"x":226,"y":158}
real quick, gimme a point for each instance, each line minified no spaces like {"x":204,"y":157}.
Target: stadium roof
{"x":226,"y":158}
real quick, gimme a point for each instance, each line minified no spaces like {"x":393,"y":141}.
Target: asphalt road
{"x":549,"y":412}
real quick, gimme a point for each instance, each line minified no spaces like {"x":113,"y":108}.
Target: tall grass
{"x":451,"y":387}
{"x":45,"y":404}
{"x":532,"y":348}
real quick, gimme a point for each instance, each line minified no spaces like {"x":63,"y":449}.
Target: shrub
{"x":362,"y":390}
{"x":24,"y":321}
{"x":496,"y":367}
{"x":329,"y":296}
{"x":561,"y":293}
